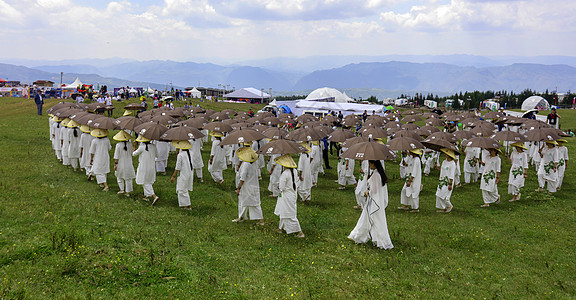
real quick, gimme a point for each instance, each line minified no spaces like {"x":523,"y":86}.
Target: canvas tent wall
{"x":194,"y":93}
{"x":535,"y":102}
{"x":327,"y":94}
{"x":300,"y":107}
{"x":251,"y":95}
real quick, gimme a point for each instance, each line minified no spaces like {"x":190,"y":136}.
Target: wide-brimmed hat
{"x":495,"y":149}
{"x":127,"y":113}
{"x":99,"y":132}
{"x":142,"y":139}
{"x":519,"y":145}
{"x":247,"y":154}
{"x":416,"y":151}
{"x":56,"y":119}
{"x":85,"y":128}
{"x":72,"y":124}
{"x":561,"y":141}
{"x":184,"y":145}
{"x":552,"y":142}
{"x":216,"y":134}
{"x":307,"y":146}
{"x":448,"y":152}
{"x":65,"y":122}
{"x":316,"y":143}
{"x":122,"y":136}
{"x":286,"y":161}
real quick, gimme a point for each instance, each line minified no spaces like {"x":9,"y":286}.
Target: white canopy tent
{"x":327,"y":94}
{"x":74,"y":85}
{"x":535,"y":102}
{"x":194,"y":93}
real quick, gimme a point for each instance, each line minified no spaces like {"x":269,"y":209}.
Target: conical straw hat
{"x":122,"y":136}
{"x":286,"y":161}
{"x":247,"y":154}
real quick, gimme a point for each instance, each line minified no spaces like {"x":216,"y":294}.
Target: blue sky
{"x":236,"y":30}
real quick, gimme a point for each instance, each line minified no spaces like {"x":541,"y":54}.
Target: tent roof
{"x":247,"y":93}
{"x":535,"y":102}
{"x":75,"y":84}
{"x":327,"y":94}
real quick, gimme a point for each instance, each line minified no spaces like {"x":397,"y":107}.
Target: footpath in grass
{"x":62,"y":237}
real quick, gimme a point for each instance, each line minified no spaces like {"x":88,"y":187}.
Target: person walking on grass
{"x":410,"y":195}
{"x":184,"y":169}
{"x":548,"y":167}
{"x":217,"y":162}
{"x":286,"y":207}
{"x":345,"y":171}
{"x":85,"y":141}
{"x":100,"y":157}
{"x":39,"y":100}
{"x":471,"y":164}
{"x":491,"y":177}
{"x":197,"y":161}
{"x":74,"y":144}
{"x":123,"y":167}
{"x":146,"y":171}
{"x":372,"y":224}
{"x":562,"y":162}
{"x":248,"y":190}
{"x":305,"y":174}
{"x":518,"y":170}
{"x":446,"y":181}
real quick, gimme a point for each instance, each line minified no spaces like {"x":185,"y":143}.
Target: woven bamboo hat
{"x":85,"y":128}
{"x":286,"y":161}
{"x":72,"y":124}
{"x":122,"y":136}
{"x":247,"y":154}
{"x":307,"y":146}
{"x":142,"y":139}
{"x":519,"y":145}
{"x":416,"y":151}
{"x":184,"y":145}
{"x":448,"y":152}
{"x":99,"y":132}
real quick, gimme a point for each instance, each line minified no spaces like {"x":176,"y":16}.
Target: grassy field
{"x":62,"y":237}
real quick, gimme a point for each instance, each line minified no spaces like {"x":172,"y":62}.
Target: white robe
{"x":316,"y":163}
{"x":219,"y":160}
{"x":146,"y":171}
{"x":488,"y":182}
{"x":372,"y":223}
{"x":185,"y":181}
{"x":74,"y":143}
{"x":196,"y":153}
{"x":286,"y":205}
{"x":85,"y":142}
{"x":101,"y":160}
{"x":273,"y":185}
{"x":562,"y":161}
{"x":125,"y":168}
{"x":411,"y":194}
{"x":447,"y":173}
{"x":305,"y":186}
{"x":517,"y":169}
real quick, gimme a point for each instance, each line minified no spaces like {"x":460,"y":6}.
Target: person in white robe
{"x":163,"y":149}
{"x":471,"y":162}
{"x":146,"y":171}
{"x":361,"y":186}
{"x":410,"y":195}
{"x":260,"y":162}
{"x":428,"y":160}
{"x":65,"y":142}
{"x":56,"y":144}
{"x":275,"y":171}
{"x":74,"y":144}
{"x":346,"y":171}
{"x":316,"y":163}
{"x":217,"y":162}
{"x":286,"y":207}
{"x":446,"y":182}
{"x":548,"y":167}
{"x":305,"y":174}
{"x":123,"y":167}
{"x":184,"y":170}
{"x":490,"y":177}
{"x":100,"y":157}
{"x":248,"y":190}
{"x":518,"y":170}
{"x":372,"y":223}
{"x":404,"y":163}
{"x":85,"y":142}
{"x":197,"y":161}
{"x":562,"y":162}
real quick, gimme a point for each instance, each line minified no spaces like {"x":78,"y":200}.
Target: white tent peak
{"x":327,"y":94}
{"x":535,"y":102}
{"x":77,"y":83}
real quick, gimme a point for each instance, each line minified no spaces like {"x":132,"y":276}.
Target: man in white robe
{"x":217,"y":162}
{"x":410,"y":195}
{"x":248,"y":190}
{"x":100,"y":157}
{"x":184,"y":171}
{"x":286,"y":207}
{"x":146,"y":171}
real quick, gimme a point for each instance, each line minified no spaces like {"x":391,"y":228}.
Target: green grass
{"x":61,"y":237}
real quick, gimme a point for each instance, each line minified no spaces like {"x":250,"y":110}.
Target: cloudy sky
{"x":232,"y":30}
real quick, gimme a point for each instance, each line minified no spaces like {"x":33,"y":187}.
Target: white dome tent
{"x":535,"y":102}
{"x":327,"y":94}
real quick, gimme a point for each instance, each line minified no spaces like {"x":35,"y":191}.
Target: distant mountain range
{"x":358,"y":76}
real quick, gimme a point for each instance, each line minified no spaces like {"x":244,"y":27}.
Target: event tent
{"x":535,"y":102}
{"x":248,"y":94}
{"x":327,"y":94}
{"x":74,"y":85}
{"x":194,"y":93}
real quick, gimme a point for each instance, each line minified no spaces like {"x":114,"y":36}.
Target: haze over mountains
{"x":359,"y":76}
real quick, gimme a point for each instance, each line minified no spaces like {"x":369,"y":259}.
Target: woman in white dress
{"x":74,"y":144}
{"x":85,"y":142}
{"x":305,"y":174}
{"x":286,"y":207}
{"x":372,"y":222}
{"x":248,"y":190}
{"x":346,"y":171}
{"x":316,"y":162}
{"x":562,"y":162}
{"x":56,"y":138}
{"x":100,"y":157}
{"x":65,"y":142}
{"x":548,"y":167}
{"x":123,"y":167}
{"x":490,"y":177}
{"x":410,"y":195}
{"x":197,"y":161}
{"x":275,"y":171}
{"x":163,"y":151}
{"x":184,"y":167}
{"x":446,"y":182}
{"x":518,"y":170}
{"x":471,"y":164}
{"x":217,"y":162}
{"x":146,"y":171}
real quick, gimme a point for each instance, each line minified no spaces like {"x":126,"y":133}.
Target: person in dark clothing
{"x":325,"y":153}
{"x":39,"y":102}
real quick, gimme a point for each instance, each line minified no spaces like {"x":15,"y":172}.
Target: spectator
{"x":553,"y":119}
{"x":39,"y":102}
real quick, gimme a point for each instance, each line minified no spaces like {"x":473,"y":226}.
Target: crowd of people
{"x":82,"y":147}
